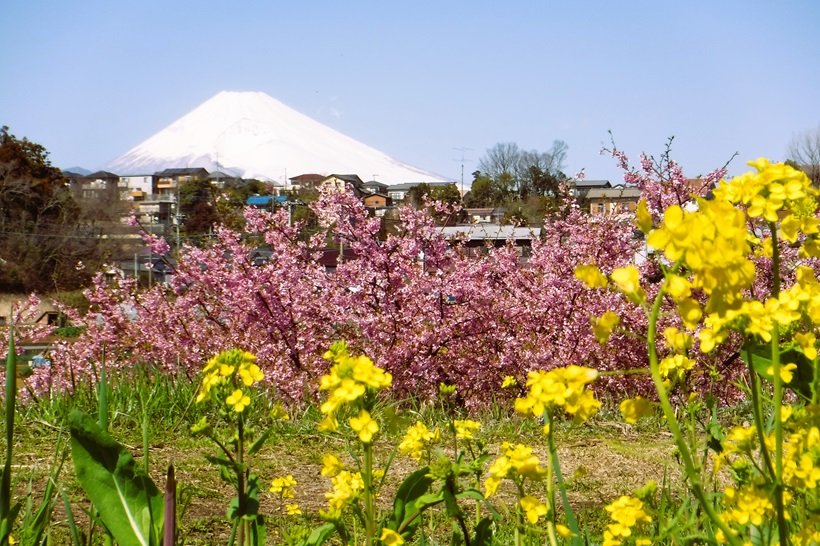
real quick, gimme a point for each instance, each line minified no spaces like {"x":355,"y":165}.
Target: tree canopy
{"x":43,"y":242}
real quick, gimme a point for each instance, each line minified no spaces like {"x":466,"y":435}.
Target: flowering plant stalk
{"x":712,"y":257}
{"x":353,"y":384}
{"x":549,"y":394}
{"x":225,"y":383}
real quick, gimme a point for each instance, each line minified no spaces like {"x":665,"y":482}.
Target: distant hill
{"x":256,"y":136}
{"x":77,"y":170}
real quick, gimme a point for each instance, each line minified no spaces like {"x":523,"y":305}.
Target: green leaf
{"x":257,"y":445}
{"x":129,"y":504}
{"x":479,"y":497}
{"x":72,"y":525}
{"x":483,"y":532}
{"x":414,"y":486}
{"x":803,"y":375}
{"x":10,"y":400}
{"x":450,"y":503}
{"x":319,"y":535}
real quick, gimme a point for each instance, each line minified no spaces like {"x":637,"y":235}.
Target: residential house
{"x":218,"y":179}
{"x":170,"y":180}
{"x":98,"y":187}
{"x":377,"y":200}
{"x":479,"y":238}
{"x":345,"y":181}
{"x":310,"y":181}
{"x":580,"y":188}
{"x":485,"y":215}
{"x":136,"y":187}
{"x":397,"y":192}
{"x":373,"y":186}
{"x":613,"y":200}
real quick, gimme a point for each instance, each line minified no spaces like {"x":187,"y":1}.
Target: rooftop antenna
{"x":462,"y":150}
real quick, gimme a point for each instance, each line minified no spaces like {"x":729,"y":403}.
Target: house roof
{"x":352,"y":178}
{"x":613,"y":193}
{"x":308,"y":177}
{"x":375,"y":184}
{"x":592,"y":184}
{"x":491,"y":232}
{"x":265,"y":200}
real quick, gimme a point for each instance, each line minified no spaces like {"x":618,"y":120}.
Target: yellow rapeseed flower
{"x":591,"y":276}
{"x":238,"y":400}
{"x":643,"y":220}
{"x":365,"y":425}
{"x":807,"y":343}
{"x":509,"y":381}
{"x":293,"y":509}
{"x":346,"y":487}
{"x":391,"y":538}
{"x":331,"y":465}
{"x":533,"y":508}
{"x":416,"y":440}
{"x":563,"y":388}
{"x":628,"y":280}
{"x":602,"y":326}
{"x":633,"y":409}
{"x":283,"y":486}
{"x":465,"y":428}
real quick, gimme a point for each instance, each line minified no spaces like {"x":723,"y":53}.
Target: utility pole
{"x":462,"y":150}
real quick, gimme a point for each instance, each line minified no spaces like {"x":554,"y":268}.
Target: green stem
{"x":369,"y":501}
{"x":242,"y":536}
{"x":692,"y":473}
{"x":777,"y":381}
{"x":559,"y":479}
{"x":11,"y":394}
{"x":757,"y":410}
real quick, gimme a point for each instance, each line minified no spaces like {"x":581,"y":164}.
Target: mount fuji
{"x":252,"y":135}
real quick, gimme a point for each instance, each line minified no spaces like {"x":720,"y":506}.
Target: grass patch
{"x":601,"y":460}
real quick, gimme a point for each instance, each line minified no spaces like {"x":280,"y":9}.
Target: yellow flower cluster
{"x":347,"y":486}
{"x":517,"y":462}
{"x":749,"y":505}
{"x":466,"y":428}
{"x":235,"y":368}
{"x":533,"y":508}
{"x":348,"y":380}
{"x":712,"y":243}
{"x":775,"y":187}
{"x":283,"y":486}
{"x":633,"y":409}
{"x":626,"y":513}
{"x":417,"y":439}
{"x":563,"y":388}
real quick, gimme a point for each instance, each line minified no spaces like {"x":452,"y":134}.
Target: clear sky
{"x":427,"y":82}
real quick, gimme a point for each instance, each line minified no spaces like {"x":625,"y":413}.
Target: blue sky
{"x":425,"y":82}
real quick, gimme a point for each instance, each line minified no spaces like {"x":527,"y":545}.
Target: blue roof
{"x":265,"y":200}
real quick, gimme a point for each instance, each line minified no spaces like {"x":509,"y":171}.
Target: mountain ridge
{"x":256,"y":136}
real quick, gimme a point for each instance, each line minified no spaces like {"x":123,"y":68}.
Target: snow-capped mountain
{"x":253,"y":135}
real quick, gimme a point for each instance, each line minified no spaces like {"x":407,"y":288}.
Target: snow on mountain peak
{"x":255,"y":136}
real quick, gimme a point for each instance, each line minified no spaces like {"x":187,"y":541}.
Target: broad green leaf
{"x":802,"y":376}
{"x":257,"y":445}
{"x":479,"y":497}
{"x":413,"y":487}
{"x":483,"y":532}
{"x":129,"y":503}
{"x":319,"y":535}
